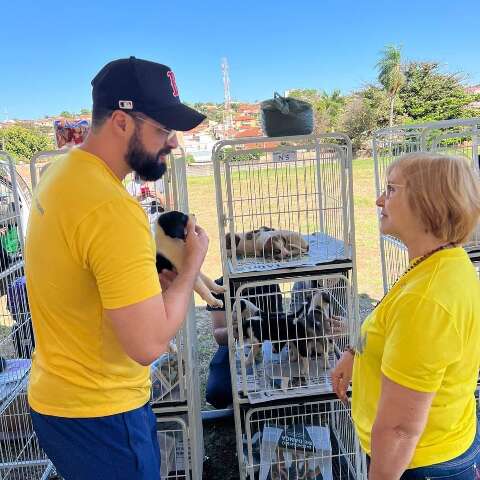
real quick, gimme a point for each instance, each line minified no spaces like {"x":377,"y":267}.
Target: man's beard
{"x":148,"y":165}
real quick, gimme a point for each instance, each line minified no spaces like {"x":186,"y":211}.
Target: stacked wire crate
{"x":454,"y":137}
{"x":459,"y":137}
{"x":20,"y":454}
{"x":285,"y":215}
{"x":175,"y":393}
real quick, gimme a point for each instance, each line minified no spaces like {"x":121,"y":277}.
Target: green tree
{"x":390,"y":75}
{"x":22,"y":143}
{"x":327,"y":108}
{"x":430,"y":94}
{"x":365,"y":111}
{"x":67,"y":114}
{"x":333,"y":105}
{"x":85,"y":111}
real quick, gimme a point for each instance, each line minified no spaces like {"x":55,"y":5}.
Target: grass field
{"x":202,"y":202}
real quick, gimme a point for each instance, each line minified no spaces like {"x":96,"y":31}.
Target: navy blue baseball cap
{"x":136,"y":85}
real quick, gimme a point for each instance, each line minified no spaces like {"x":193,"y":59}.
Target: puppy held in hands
{"x":170,"y":244}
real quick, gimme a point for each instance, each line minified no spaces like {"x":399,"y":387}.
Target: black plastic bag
{"x":283,"y":116}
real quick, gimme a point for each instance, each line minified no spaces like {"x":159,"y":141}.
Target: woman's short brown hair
{"x":444,"y":191}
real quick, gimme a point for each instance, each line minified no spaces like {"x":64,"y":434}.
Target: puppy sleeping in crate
{"x":267,"y":242}
{"x":170,"y":243}
{"x":305,"y":331}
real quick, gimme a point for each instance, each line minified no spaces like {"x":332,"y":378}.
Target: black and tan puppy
{"x":170,"y":243}
{"x":305,"y":331}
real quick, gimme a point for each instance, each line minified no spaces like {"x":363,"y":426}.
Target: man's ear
{"x":122,"y":124}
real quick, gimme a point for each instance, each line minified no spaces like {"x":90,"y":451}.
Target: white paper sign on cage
{"x":284,"y":156}
{"x":296,"y":451}
{"x":172,"y":454}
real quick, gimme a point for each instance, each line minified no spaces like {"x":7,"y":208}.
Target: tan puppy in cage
{"x":268,"y":242}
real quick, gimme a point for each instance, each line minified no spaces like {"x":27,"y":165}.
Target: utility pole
{"x":227,"y":113}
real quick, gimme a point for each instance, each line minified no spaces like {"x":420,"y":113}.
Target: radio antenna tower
{"x":227,"y":115}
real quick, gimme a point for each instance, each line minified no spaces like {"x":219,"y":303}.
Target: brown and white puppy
{"x":267,"y":242}
{"x":170,"y":243}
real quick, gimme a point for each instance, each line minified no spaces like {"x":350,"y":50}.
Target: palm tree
{"x":333,"y":105}
{"x":390,"y":74}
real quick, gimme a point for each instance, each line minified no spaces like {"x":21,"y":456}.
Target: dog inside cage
{"x":290,"y":336}
{"x":285,"y":203}
{"x":314,"y":440}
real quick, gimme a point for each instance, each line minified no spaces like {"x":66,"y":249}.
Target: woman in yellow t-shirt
{"x":414,"y":370}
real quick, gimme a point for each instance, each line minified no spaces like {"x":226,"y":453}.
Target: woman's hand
{"x":342,"y":376}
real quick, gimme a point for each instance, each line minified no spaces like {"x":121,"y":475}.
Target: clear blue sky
{"x":50,"y":50}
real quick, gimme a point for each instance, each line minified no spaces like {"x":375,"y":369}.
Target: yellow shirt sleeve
{"x":421,"y":341}
{"x":114,"y":242}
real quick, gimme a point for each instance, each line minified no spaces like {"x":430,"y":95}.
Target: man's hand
{"x":196,"y":245}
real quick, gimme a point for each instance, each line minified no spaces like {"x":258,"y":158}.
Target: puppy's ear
{"x":228,"y":241}
{"x":268,"y":247}
{"x":243,"y":305}
{"x":326,"y":297}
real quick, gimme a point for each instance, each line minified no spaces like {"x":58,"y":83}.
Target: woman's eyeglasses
{"x":389,"y":188}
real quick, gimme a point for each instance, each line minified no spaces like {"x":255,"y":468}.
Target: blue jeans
{"x":219,"y":384}
{"x":116,"y":447}
{"x":464,"y":467}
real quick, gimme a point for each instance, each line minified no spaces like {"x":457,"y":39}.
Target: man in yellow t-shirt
{"x":98,"y":314}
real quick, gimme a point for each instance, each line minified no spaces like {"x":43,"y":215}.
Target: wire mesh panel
{"x":454,"y":137}
{"x":288,"y":333}
{"x":168,"y":374}
{"x":396,"y":257}
{"x":313,"y":440}
{"x":20,"y":454}
{"x":284,"y":202}
{"x":172,"y":434}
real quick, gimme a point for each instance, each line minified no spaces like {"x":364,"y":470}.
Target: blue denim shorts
{"x":115,"y":447}
{"x":464,"y":467}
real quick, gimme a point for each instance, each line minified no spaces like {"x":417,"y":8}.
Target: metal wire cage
{"x":301,"y":187}
{"x":459,"y":137}
{"x":168,"y":373}
{"x":286,"y":334}
{"x":20,"y":454}
{"x":311,"y":440}
{"x":172,"y":434}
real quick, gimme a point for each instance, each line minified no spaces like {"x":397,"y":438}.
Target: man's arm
{"x":401,"y":418}
{"x":145,"y":328}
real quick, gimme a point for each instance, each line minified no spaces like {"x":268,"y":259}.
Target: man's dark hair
{"x":99,"y":117}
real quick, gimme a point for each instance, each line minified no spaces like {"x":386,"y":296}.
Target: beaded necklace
{"x":414,"y":264}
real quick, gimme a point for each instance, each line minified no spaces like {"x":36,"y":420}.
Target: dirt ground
{"x":221,"y":462}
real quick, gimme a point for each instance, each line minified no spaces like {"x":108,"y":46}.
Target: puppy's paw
{"x":219,"y":289}
{"x":216,"y":303}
